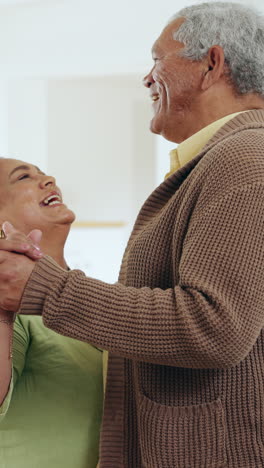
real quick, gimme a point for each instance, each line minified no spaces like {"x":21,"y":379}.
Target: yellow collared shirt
{"x":190,"y":147}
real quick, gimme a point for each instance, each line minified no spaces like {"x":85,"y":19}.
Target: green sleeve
{"x":20,"y":346}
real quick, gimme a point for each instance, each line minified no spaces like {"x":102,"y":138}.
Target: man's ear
{"x":215,"y":67}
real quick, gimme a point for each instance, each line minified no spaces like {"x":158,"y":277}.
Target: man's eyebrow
{"x":156,"y":50}
{"x":153,"y":51}
{"x":25,"y":168}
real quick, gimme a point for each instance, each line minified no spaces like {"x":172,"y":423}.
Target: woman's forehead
{"x":10,"y":163}
{"x":7,"y":165}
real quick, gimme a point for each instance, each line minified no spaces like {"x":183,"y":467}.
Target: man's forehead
{"x":156,"y":49}
{"x":166,"y":36}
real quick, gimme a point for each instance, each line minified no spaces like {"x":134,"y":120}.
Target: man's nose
{"x":148,"y":79}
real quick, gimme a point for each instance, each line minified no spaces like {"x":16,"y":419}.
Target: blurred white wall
{"x":79,"y":37}
{"x":27,"y":111}
{"x":4,"y":124}
{"x":99,"y":127}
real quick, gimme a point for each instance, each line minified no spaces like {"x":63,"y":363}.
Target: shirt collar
{"x":190,"y":147}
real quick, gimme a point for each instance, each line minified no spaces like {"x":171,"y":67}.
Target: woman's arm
{"x":11,"y":367}
{"x":6,"y":337}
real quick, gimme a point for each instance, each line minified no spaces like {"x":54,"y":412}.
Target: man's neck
{"x":213,"y":107}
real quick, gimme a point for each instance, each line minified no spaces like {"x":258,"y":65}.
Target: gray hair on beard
{"x":238,"y":29}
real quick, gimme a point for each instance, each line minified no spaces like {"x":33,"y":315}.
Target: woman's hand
{"x":16,"y":241}
{"x":15,"y":271}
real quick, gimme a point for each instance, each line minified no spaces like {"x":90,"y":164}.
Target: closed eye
{"x":24,"y":176}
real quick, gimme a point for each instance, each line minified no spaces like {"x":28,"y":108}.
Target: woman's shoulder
{"x":27,"y":321}
{"x":30,"y":325}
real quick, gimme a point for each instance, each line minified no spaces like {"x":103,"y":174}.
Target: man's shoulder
{"x":241,"y":151}
{"x":246,"y":136}
{"x":233,"y":162}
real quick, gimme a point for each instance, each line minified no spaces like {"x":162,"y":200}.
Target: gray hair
{"x":238,"y":29}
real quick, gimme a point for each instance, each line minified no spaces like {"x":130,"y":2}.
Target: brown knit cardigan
{"x":183,"y":325}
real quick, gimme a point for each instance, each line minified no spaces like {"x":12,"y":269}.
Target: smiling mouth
{"x":155,"y":97}
{"x":52,"y":200}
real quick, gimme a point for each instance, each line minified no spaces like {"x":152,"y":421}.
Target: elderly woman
{"x":50,"y":385}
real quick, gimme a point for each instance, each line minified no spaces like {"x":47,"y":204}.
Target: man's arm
{"x":210,"y":319}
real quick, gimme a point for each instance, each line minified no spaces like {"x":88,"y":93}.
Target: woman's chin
{"x":69,"y":217}
{"x":63,"y":217}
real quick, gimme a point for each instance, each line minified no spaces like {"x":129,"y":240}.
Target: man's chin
{"x":159,"y":127}
{"x":155,"y":126}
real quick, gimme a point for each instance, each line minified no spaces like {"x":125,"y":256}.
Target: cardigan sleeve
{"x":20,"y":347}
{"x":210,"y":319}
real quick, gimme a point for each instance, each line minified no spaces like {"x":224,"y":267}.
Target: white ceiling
{"x":44,"y":38}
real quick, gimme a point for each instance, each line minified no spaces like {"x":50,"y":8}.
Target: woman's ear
{"x":215,"y":67}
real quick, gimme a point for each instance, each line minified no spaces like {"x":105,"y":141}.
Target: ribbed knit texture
{"x":184,"y":323}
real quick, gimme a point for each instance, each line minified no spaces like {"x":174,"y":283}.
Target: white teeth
{"x":54,"y":202}
{"x":155,"y":97}
{"x":55,"y":199}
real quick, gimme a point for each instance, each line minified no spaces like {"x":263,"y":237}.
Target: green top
{"x":52,"y":413}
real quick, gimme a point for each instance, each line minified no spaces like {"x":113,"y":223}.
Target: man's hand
{"x":15,"y":271}
{"x":18,"y":242}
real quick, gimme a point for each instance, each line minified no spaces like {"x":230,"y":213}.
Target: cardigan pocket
{"x":182,"y":437}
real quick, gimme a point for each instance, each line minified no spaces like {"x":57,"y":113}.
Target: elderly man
{"x":184,"y":323}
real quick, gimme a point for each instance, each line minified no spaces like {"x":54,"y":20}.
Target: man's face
{"x":30,"y":199}
{"x":174,"y":86}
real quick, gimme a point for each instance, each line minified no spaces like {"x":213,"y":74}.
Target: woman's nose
{"x":46,"y":181}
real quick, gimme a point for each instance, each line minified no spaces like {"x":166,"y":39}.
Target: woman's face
{"x":29,"y":198}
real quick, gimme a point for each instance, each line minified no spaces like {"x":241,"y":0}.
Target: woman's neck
{"x":58,"y":257}
{"x":54,"y":247}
